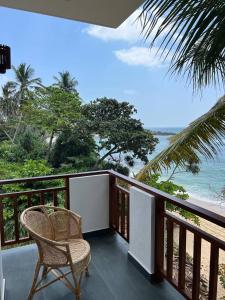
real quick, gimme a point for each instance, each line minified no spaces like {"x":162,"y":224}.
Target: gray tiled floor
{"x":113,"y":277}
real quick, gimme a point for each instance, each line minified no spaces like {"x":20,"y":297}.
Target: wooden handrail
{"x":199,"y":211}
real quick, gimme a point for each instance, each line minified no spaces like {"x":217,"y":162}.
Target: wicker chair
{"x":57,"y":232}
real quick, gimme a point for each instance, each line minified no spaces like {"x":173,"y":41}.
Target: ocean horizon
{"x":207,"y":185}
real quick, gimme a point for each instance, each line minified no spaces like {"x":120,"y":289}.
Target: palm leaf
{"x":203,"y":137}
{"x":193,"y":31}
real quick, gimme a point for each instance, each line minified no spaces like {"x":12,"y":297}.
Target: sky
{"x":113,"y":63}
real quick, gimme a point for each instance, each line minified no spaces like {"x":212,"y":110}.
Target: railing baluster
{"x":159,"y":236}
{"x":2,"y":223}
{"x":67,"y":193}
{"x":128,"y":217}
{"x":42,"y":199}
{"x":55,"y":198}
{"x":117,"y":210}
{"x":112,"y":182}
{"x":213,"y":274}
{"x":16,"y":221}
{"x":29,"y":201}
{"x":169,"y":259}
{"x":182,"y":258}
{"x":196,"y":267}
{"x":122,"y":214}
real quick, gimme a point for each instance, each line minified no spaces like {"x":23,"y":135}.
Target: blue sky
{"x":106,"y":62}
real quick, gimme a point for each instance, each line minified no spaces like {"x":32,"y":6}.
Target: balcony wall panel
{"x":89,"y":197}
{"x":142,"y":228}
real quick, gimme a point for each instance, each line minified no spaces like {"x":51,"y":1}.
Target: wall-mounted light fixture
{"x":5,"y":59}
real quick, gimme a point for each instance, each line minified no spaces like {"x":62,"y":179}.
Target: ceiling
{"x":110,"y":13}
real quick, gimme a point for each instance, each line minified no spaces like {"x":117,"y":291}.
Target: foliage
{"x":54,"y":110}
{"x":30,"y":168}
{"x":192,"y":32}
{"x":35,"y":168}
{"x":28,"y":145}
{"x":8,"y":103}
{"x":66,"y":82}
{"x":25,"y":82}
{"x":75,"y":148}
{"x":106,"y":165}
{"x":173,"y":189}
{"x":222,"y":275}
{"x":203,"y":137}
{"x":118,"y":131}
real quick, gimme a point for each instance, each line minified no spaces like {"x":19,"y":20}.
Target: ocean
{"x":207,"y":185}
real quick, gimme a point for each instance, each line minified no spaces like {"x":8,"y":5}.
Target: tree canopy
{"x":118,"y":130}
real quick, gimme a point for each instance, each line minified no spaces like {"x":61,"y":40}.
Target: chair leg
{"x":36,"y":273}
{"x":78,"y":289}
{"x":45,"y":271}
{"x":87,"y":273}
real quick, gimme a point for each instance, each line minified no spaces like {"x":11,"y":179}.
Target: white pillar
{"x":89,"y":197}
{"x":142,"y":229}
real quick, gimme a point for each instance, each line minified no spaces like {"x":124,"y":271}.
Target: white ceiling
{"x":109,"y":13}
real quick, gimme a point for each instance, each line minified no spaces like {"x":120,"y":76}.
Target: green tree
{"x":14,"y":96}
{"x":8,"y":105}
{"x":30,"y":144}
{"x":53,"y":111}
{"x":66,"y":82}
{"x":25,"y":81}
{"x":192,"y":32}
{"x":119,"y":132}
{"x":75,"y":148}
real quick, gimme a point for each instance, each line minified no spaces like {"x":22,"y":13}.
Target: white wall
{"x":142,"y":228}
{"x":89,"y":197}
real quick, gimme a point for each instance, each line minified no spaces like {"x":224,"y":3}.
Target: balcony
{"x":112,"y":276}
{"x":139,"y":248}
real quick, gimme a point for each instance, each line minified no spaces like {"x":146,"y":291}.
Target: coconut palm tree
{"x":8,"y":103}
{"x":66,"y":82}
{"x":192,"y":32}
{"x":204,"y":137}
{"x":25,"y":81}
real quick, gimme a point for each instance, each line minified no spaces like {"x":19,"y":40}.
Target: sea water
{"x":207,"y":185}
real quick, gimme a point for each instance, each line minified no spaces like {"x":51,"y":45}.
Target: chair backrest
{"x":37,"y":222}
{"x":51,"y":222}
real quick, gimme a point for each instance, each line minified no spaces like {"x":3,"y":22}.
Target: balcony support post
{"x":159,"y":238}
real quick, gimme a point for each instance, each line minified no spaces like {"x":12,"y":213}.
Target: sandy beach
{"x":214,"y":230}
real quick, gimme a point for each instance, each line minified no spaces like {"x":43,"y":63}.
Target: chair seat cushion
{"x":80,"y":254}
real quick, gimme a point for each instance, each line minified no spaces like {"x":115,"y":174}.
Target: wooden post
{"x":112,"y":182}
{"x":67,"y":193}
{"x":159,"y":238}
{"x":2,"y":223}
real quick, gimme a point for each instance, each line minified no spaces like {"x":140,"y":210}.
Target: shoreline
{"x":216,"y":207}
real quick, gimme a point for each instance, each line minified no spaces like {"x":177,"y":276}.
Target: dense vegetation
{"x":51,"y":129}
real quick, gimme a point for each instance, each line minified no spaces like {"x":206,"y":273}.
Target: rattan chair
{"x":57,"y":232}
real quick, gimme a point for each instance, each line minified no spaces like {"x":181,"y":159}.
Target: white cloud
{"x":141,"y":56}
{"x":130,"y":31}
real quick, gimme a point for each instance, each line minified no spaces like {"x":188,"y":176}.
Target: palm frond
{"x":203,"y":137}
{"x":193,"y":31}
